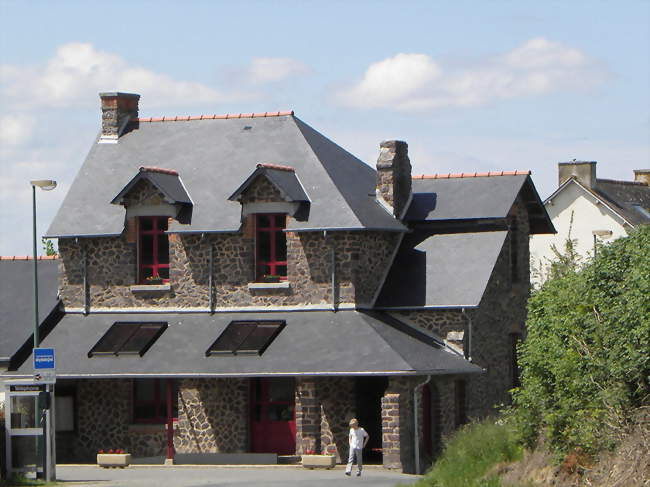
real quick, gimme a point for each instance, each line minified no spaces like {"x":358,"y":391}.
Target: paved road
{"x":187,"y":476}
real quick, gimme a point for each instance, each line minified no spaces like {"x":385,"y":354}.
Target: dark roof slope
{"x":476,"y":196}
{"x":282,"y":177}
{"x":629,"y":198}
{"x":448,"y":270}
{"x":17,"y":300}
{"x":312,"y":342}
{"x":213,"y":157}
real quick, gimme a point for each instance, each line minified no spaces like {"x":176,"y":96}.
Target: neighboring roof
{"x":214,"y":156}
{"x":629,"y":197}
{"x":467,"y":196}
{"x":630,"y":200}
{"x":312,"y":342}
{"x":284,"y":178}
{"x":448,"y":270}
{"x":167,"y":181}
{"x":17,"y":299}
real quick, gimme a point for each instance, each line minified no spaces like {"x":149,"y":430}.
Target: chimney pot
{"x":117,"y":109}
{"x":583,"y":171}
{"x":394,"y":175}
{"x":642,"y":176}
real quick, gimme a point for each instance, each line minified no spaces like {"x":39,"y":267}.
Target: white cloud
{"x":15,"y":129}
{"x":78,"y":71}
{"x":418,"y":82}
{"x":271,"y":69}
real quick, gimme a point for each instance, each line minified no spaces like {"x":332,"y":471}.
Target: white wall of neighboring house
{"x":589,"y":214}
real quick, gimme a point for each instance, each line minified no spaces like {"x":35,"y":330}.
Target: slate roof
{"x":627,"y":197}
{"x":312,"y":342}
{"x":17,"y":302}
{"x":473,"y":196}
{"x":213,"y":157}
{"x":447,"y":270}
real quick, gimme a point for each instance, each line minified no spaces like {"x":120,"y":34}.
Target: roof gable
{"x":167,"y":181}
{"x":282,"y":178}
{"x":625,"y":199}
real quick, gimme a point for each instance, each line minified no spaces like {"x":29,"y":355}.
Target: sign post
{"x":45,"y":373}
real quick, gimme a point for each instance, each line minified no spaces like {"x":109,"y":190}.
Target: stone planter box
{"x":108,"y":460}
{"x":318,"y":461}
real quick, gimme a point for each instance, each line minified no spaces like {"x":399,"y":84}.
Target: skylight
{"x":128,"y":339}
{"x":246,"y":338}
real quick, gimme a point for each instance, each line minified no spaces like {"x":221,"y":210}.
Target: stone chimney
{"x":117,"y":109}
{"x":583,"y":171}
{"x":642,"y":176}
{"x":394,"y":175}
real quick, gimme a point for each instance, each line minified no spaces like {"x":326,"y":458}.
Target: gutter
{"x":416,"y":436}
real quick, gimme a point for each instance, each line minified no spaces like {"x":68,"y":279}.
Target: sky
{"x":470,"y":85}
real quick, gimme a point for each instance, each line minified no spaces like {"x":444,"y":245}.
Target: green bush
{"x":470,"y":454}
{"x":586,"y":361}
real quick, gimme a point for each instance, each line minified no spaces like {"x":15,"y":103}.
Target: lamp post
{"x":46,"y":185}
{"x":602,"y":234}
{"x":43,"y":444}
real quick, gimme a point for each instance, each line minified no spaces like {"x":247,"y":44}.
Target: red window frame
{"x":272,"y":230}
{"x":159,"y":402}
{"x":158,"y":229}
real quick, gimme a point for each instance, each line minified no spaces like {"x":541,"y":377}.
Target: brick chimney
{"x":583,"y":171}
{"x":117,"y":109}
{"x":642,"y":176}
{"x":394,"y":175}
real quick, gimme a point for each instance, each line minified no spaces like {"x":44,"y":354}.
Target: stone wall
{"x":361,"y":259}
{"x":212,"y":416}
{"x":397,"y":424}
{"x":336,"y":396}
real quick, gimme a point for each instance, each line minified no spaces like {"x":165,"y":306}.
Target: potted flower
{"x":153,"y":280}
{"x":311,"y":460}
{"x":113,"y":458}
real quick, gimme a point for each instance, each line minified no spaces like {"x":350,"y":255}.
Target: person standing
{"x":358,"y":440}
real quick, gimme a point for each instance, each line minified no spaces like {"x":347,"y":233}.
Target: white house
{"x":589,"y":210}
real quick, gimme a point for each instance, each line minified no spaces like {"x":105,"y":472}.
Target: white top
{"x":356,"y":437}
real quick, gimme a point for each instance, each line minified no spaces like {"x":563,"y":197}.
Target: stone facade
{"x":116,"y":109}
{"x":394,"y":175}
{"x":361,"y":260}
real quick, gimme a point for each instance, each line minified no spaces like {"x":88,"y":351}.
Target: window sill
{"x":267,"y":286}
{"x":148,"y":288}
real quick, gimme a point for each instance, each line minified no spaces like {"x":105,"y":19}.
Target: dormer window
{"x":270,"y":247}
{"x":153,"y":249}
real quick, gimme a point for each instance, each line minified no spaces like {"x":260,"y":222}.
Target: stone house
{"x":589,"y":211}
{"x":242,"y":284}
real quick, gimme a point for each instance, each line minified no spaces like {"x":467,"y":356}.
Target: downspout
{"x":416,"y":436}
{"x":211,"y":280}
{"x":85,"y":281}
{"x":333,"y":273}
{"x":468,"y":352}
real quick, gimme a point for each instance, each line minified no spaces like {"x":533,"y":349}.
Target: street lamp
{"x":602,"y":234}
{"x":45,"y":185}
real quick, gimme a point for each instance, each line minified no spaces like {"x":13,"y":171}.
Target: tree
{"x":48,"y":246}
{"x":585,"y":362}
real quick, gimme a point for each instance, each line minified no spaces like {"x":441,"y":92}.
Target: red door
{"x":273,"y":422}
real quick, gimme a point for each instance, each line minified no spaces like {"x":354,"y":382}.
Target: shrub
{"x":470,"y":454}
{"x":585,"y":362}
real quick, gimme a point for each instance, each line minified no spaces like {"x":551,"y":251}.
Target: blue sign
{"x":44,"y":359}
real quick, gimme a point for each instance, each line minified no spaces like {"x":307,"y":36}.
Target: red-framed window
{"x":150,"y":397}
{"x":271,"y":247}
{"x":153,"y":248}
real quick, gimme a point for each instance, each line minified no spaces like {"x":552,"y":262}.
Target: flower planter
{"x":113,"y":460}
{"x":318,"y":461}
